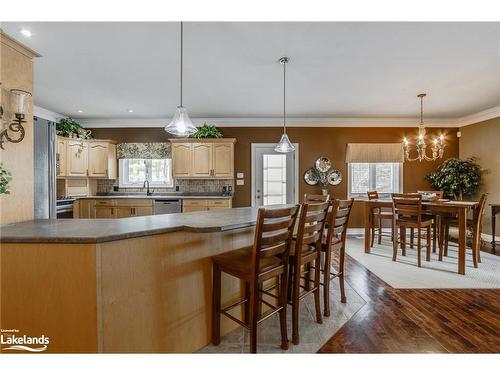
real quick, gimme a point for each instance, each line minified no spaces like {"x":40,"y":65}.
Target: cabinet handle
{"x":112,"y":211}
{"x":87,"y":172}
{"x":107,"y":173}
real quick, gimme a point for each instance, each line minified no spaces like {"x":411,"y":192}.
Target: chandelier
{"x":437,"y":147}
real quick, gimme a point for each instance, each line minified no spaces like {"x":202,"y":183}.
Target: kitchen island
{"x":140,"y":284}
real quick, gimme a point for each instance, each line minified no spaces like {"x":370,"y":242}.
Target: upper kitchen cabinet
{"x":102,"y":159}
{"x":82,"y":158}
{"x":61,"y":157}
{"x":203,"y":158}
{"x":181,"y":159}
{"x":77,"y":158}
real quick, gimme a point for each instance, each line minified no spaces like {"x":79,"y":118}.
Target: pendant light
{"x":284,"y":145}
{"x":181,"y":125}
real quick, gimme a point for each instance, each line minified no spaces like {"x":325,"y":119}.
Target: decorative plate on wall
{"x":323,"y":164}
{"x":334,"y":177}
{"x":311,"y":177}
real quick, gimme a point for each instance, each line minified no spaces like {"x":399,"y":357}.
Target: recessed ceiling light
{"x":80,"y":111}
{"x":26,"y":33}
{"x":130,"y":110}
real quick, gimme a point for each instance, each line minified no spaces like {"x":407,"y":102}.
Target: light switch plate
{"x":240,"y":182}
{"x":240,"y":175}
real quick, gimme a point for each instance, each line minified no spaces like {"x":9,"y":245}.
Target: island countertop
{"x":105,"y":230}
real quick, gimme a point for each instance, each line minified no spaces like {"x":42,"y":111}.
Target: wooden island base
{"x":148,"y":294}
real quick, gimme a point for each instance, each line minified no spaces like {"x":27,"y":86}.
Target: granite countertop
{"x":104,"y":230}
{"x":159,"y":196}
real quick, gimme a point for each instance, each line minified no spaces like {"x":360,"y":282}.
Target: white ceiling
{"x":231,"y":69}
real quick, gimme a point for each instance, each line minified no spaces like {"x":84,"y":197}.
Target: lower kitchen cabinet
{"x":194,"y":205}
{"x":105,"y":212}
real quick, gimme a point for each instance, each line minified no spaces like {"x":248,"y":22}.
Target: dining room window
{"x":385,"y":178}
{"x":133,"y":172}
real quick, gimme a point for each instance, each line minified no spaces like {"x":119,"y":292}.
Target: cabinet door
{"x":123,"y":212}
{"x":86,"y":208}
{"x":77,"y":158}
{"x":112,"y":162}
{"x":181,"y":159}
{"x":142,"y":211}
{"x":223,"y":160}
{"x":98,"y":159}
{"x":202,"y":160}
{"x":61,"y":157}
{"x":105,"y":212}
{"x":194,"y":209}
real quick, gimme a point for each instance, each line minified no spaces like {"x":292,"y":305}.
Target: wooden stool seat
{"x":412,"y":223}
{"x":239,"y":263}
{"x":267,"y":259}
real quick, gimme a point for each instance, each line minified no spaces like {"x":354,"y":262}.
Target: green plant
{"x":207,"y":131}
{"x":457,"y":178}
{"x":5,"y":178}
{"x":67,"y":126}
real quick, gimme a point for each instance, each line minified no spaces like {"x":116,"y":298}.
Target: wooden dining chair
{"x":378,"y":216}
{"x":407,"y":211}
{"x":306,"y":255}
{"x":429,"y":214}
{"x":316,"y":198}
{"x":334,"y":242}
{"x":267,"y":259}
{"x":474,"y":225}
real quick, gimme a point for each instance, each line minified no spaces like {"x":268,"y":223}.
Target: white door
{"x":273,"y":175}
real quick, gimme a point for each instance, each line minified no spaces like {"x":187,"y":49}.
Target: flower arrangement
{"x":207,"y":131}
{"x":5,"y":178}
{"x":457,"y":178}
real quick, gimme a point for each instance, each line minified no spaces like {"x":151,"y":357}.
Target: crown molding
{"x":18,"y":46}
{"x":390,"y":122}
{"x":474,"y":118}
{"x":47,"y":114}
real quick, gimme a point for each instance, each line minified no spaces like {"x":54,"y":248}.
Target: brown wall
{"x":482,"y":141}
{"x":16,"y":72}
{"x":313,"y":142}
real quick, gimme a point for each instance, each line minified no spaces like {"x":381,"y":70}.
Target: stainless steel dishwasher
{"x":167,"y":206}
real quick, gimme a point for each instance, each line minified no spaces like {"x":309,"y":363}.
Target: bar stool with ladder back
{"x":266,"y":259}
{"x":304,"y":256}
{"x":334,"y":240}
{"x":407,"y":211}
{"x":379,"y":215}
{"x":473,"y":225}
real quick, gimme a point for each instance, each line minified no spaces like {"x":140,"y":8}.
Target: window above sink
{"x":133,"y":172}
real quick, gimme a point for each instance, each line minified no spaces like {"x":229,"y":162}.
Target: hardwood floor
{"x":417,"y":320}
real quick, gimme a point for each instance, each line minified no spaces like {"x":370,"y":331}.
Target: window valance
{"x":151,"y":150}
{"x":374,"y":153}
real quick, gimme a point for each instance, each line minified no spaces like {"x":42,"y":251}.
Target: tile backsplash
{"x":185,"y":185}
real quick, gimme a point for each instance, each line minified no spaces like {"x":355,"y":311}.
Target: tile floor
{"x":312,"y":335}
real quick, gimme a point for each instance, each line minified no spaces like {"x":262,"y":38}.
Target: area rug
{"x":312,"y":335}
{"x":404,"y":273}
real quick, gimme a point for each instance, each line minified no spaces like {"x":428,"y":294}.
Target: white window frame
{"x":123,"y":181}
{"x":397,"y":181}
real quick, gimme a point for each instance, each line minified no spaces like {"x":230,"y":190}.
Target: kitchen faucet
{"x":146,"y":183}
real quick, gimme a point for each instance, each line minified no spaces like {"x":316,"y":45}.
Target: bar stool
{"x":380,"y":215}
{"x":304,"y":256}
{"x":334,"y":240}
{"x":267,"y":259}
{"x":407,"y":211}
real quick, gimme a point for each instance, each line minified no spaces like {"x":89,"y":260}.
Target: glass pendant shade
{"x":284,"y":145}
{"x":181,"y":125}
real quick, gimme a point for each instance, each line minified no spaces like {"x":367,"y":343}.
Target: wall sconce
{"x":16,"y":125}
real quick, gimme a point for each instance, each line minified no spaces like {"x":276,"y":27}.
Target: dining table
{"x":459,"y":209}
